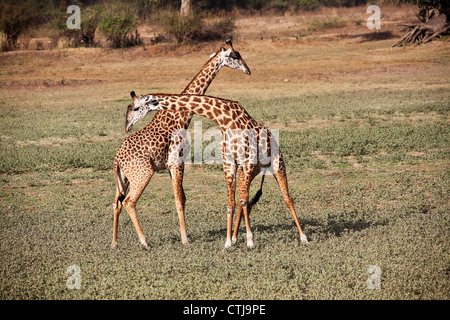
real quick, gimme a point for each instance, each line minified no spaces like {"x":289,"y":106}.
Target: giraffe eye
{"x":136,"y":109}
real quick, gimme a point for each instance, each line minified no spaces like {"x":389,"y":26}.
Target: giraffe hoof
{"x":250,"y":244}
{"x":303,"y":238}
{"x":114,"y":245}
{"x":145,"y":246}
{"x":227,"y":244}
{"x":233,"y":240}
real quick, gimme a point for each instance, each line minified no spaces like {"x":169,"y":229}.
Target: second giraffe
{"x":242,"y":137}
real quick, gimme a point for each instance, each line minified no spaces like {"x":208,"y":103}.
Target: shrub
{"x":308,"y":4}
{"x":222,"y":28}
{"x":89,"y":23}
{"x":182,"y":28}
{"x":16,"y":18}
{"x":192,"y":27}
{"x":118,"y":23}
{"x":277,"y":5}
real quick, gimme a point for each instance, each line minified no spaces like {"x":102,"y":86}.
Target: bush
{"x":182,"y":28}
{"x":118,"y":23}
{"x":308,"y":4}
{"x":89,"y":23}
{"x":16,"y":18}
{"x":222,"y":28}
{"x":192,"y":27}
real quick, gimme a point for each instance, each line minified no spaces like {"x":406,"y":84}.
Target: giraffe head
{"x":138,"y":108}
{"x":225,"y":56}
{"x":231,"y":58}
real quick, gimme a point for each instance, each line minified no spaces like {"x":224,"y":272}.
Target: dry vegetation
{"x":365,"y":133}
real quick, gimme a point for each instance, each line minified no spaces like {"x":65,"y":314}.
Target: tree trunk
{"x":185,"y":7}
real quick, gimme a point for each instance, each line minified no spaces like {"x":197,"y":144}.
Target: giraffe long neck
{"x":227,"y":114}
{"x":204,"y":77}
{"x":201,"y":82}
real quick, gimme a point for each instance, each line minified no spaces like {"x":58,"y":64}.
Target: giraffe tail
{"x":121,"y":185}
{"x":256,"y":197}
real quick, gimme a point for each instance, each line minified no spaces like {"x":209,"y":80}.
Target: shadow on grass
{"x":338,"y":227}
{"x":372,"y":36}
{"x":332,"y":228}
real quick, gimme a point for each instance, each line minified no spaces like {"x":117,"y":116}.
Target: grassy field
{"x":364,"y":129}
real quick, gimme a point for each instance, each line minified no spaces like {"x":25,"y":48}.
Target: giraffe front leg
{"x":245,"y":179}
{"x":237,"y":223}
{"x":249,"y":233}
{"x":231,"y":186}
{"x":239,"y":211}
{"x":252,"y":202}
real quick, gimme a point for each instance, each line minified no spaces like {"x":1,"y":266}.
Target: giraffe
{"x":242,"y":138}
{"x":155,"y":148}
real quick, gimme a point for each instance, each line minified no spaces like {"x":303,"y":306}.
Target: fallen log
{"x":433,"y":25}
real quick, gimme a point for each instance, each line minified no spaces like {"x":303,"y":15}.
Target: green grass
{"x":76,"y":137}
{"x":391,"y":211}
{"x":342,"y":105}
{"x":53,"y":220}
{"x":368,"y":171}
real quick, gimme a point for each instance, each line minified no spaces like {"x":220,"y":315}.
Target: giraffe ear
{"x":228,"y":41}
{"x":133,"y":95}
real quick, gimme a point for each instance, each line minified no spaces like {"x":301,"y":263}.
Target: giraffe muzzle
{"x":128,"y":126}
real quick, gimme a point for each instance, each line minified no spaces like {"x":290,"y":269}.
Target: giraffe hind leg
{"x":281,"y":178}
{"x":250,"y":205}
{"x":130,"y":201}
{"x":121,"y":189}
{"x":176,"y":173}
{"x":117,"y":208}
{"x":230,"y":176}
